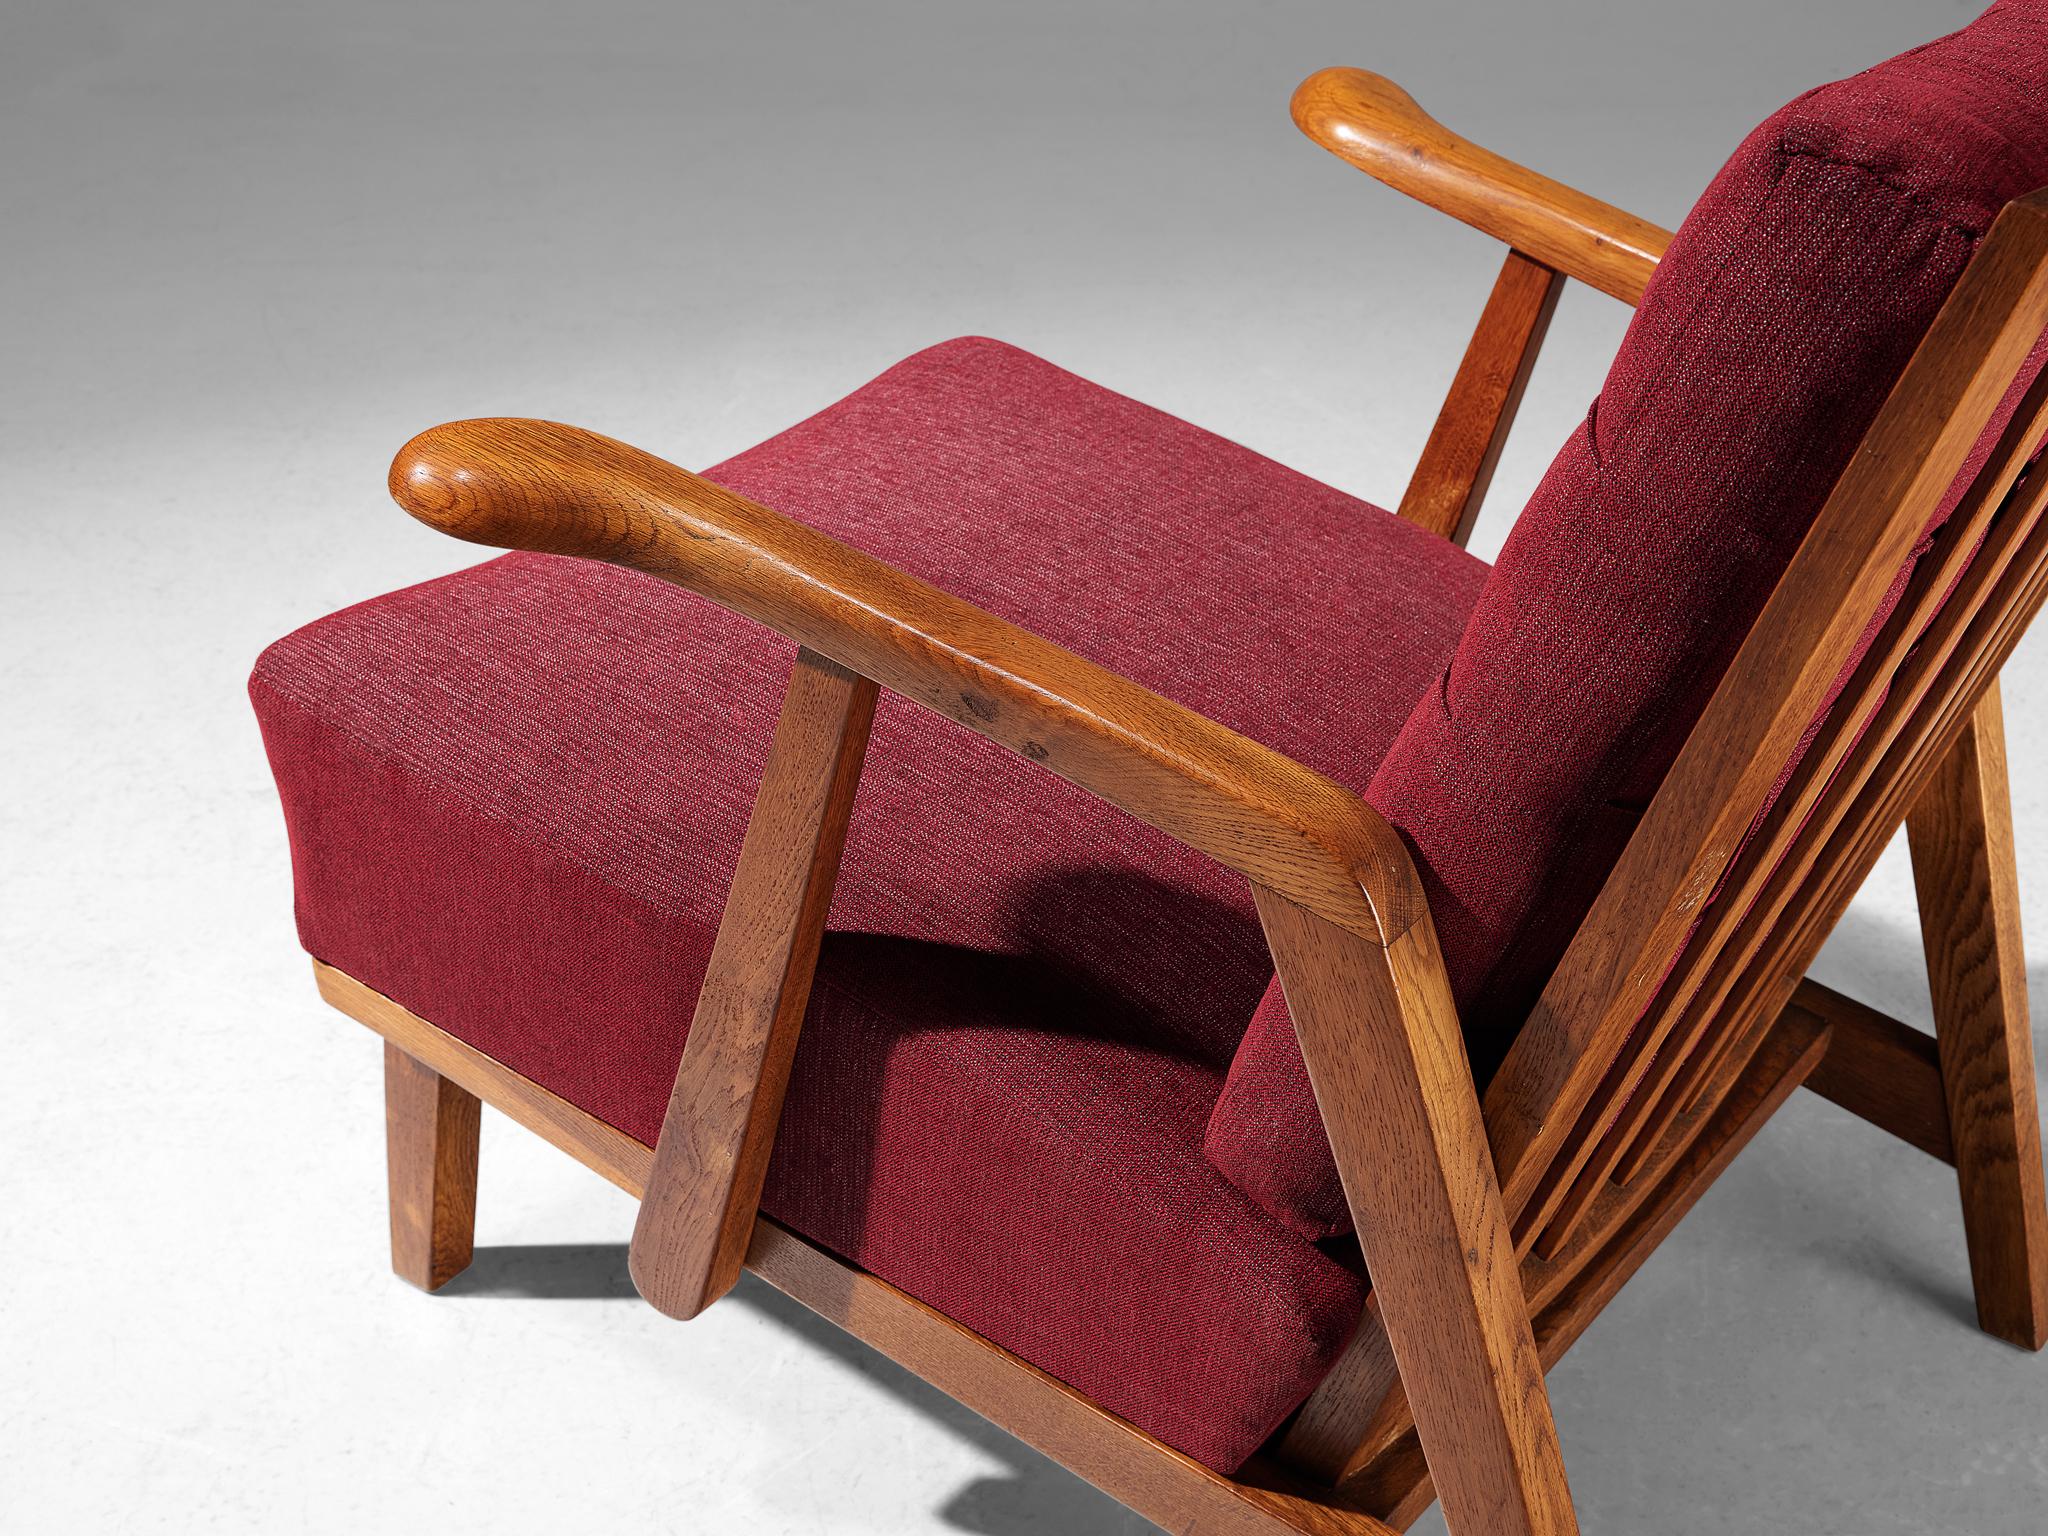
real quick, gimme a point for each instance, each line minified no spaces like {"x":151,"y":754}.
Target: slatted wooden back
{"x":1724,"y":893}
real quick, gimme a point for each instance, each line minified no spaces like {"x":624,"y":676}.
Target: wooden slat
{"x":1380,"y":1037}
{"x":1883,"y":803}
{"x":1887,"y":1072}
{"x":1947,"y":674}
{"x":1927,"y":625}
{"x":1464,"y":446}
{"x":1853,"y":849}
{"x":1875,"y":704}
{"x":1960,"y":832}
{"x":691,"y":1237}
{"x":1624,"y":1231}
{"x":1537,"y":1107}
{"x":1773,"y":869}
{"x":1129,"y":1465}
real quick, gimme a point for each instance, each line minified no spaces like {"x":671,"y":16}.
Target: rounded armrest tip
{"x":433,"y":478}
{"x":1344,"y":106}
{"x":533,"y":485}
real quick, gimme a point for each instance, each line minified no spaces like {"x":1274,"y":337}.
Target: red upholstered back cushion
{"x":1788,"y":305}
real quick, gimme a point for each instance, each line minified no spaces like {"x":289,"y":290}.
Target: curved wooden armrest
{"x":537,"y":485}
{"x":1370,"y":121}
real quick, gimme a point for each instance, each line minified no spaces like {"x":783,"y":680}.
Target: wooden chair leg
{"x":1960,"y":833}
{"x":1379,"y":1033}
{"x":430,"y":1142}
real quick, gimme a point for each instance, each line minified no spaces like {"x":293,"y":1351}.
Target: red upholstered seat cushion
{"x":515,"y":797}
{"x":1786,"y":308}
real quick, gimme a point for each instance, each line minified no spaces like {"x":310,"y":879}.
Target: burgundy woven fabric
{"x":515,"y":796}
{"x":1786,"y":308}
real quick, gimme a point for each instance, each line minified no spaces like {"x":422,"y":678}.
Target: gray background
{"x":250,"y":248}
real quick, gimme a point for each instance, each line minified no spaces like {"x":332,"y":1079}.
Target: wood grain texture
{"x":1464,"y":447}
{"x":1618,"y":1240}
{"x":1627,"y":1226}
{"x":1158,"y":1482}
{"x":1992,"y":578}
{"x":431,"y":1126}
{"x":1383,"y":1469}
{"x":542,"y":486}
{"x":1877,"y":1068}
{"x":1903,"y":666}
{"x":716,"y":1137}
{"x":1935,"y":691}
{"x":1371,"y":122}
{"x":1539,"y":1104}
{"x":1329,"y":1440}
{"x":1960,"y":834}
{"x":1994,"y":620}
{"x":1387,"y":1061}
{"x":1850,"y":852}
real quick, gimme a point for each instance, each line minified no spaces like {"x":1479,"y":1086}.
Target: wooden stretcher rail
{"x":1884,"y":1071}
{"x":1274,"y":1493}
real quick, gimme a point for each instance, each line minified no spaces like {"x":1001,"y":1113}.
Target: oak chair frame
{"x":1495,"y":1232}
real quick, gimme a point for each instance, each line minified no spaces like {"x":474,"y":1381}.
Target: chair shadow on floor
{"x":1033,"y":1495}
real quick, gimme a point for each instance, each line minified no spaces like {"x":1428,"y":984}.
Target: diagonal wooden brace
{"x":691,"y":1237}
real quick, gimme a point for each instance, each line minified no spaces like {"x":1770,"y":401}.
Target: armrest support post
{"x":1465,"y":445}
{"x":690,"y":1239}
